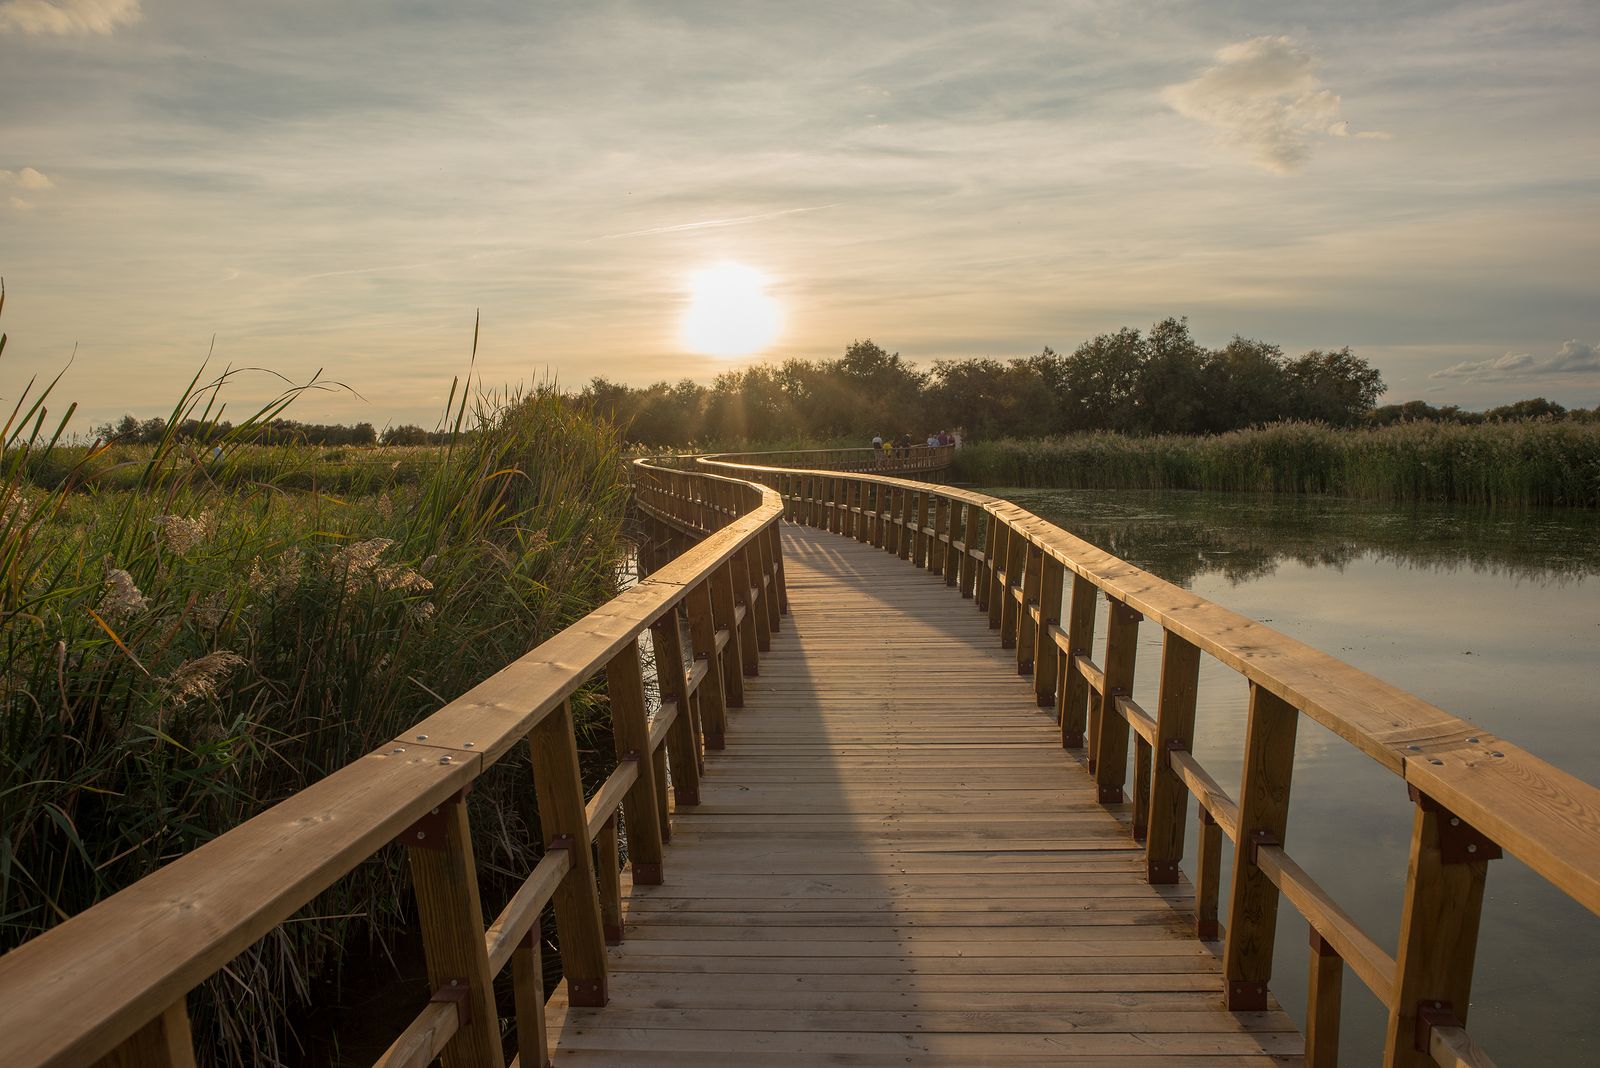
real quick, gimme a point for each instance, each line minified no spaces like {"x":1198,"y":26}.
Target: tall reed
{"x":1514,"y":464}
{"x":187,"y":640}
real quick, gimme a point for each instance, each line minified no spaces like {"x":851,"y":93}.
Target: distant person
{"x":933,"y":440}
{"x":877,"y":442}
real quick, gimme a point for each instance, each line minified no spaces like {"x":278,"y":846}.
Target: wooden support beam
{"x":732,"y":659}
{"x":1074,"y":708}
{"x":1207,"y":878}
{"x":1263,"y":818}
{"x":1439,"y":918}
{"x":1016,"y":561}
{"x":631,"y":732}
{"x":703,"y":641}
{"x":1032,"y":568}
{"x":563,"y":823}
{"x":1110,"y":730}
{"x":1169,"y":796}
{"x":1046,"y":653}
{"x":779,"y":584}
{"x":450,"y":915}
{"x":683,"y":745}
{"x":751,"y":645}
{"x":971,"y":522}
{"x":527,"y":991}
{"x":1323,"y":995}
{"x":164,"y":1042}
{"x":608,"y":866}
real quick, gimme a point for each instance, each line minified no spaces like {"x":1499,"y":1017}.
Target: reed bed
{"x":1511,"y":464}
{"x":187,"y":640}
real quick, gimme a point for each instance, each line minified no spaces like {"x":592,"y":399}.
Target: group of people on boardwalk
{"x":935,"y":438}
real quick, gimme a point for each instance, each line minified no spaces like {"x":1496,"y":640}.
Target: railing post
{"x":908,"y":511}
{"x":1016,"y":550}
{"x":923,"y":543}
{"x":767,"y":578}
{"x":1169,"y":795}
{"x":983,"y":586}
{"x":1046,"y":653}
{"x":970,"y":522}
{"x":1263,"y":817}
{"x":757,"y":626}
{"x":1207,"y":877}
{"x":1110,"y":729}
{"x":780,"y":589}
{"x":608,"y":861}
{"x":682,"y":744}
{"x":732,"y":659}
{"x":450,"y":915}
{"x":558,"y":786}
{"x":750,"y":644}
{"x":952,"y":531}
{"x":1074,"y":710}
{"x":1001,"y":578}
{"x":1323,"y":996}
{"x":1032,"y":565}
{"x":630,"y":730}
{"x":527,"y":992}
{"x":1438,"y":930}
{"x":164,"y":1042}
{"x":703,"y":643}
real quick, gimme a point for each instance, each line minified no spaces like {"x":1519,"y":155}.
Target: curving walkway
{"x":894,"y":862}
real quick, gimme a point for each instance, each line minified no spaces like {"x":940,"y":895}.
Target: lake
{"x":1494,"y":617}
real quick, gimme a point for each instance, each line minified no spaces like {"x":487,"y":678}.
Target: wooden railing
{"x":888,"y":460}
{"x":109,"y":986}
{"x":1474,"y":794}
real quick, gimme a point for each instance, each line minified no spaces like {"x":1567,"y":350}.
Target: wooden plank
{"x":1110,"y":731}
{"x":1323,"y":997}
{"x":1169,"y":796}
{"x":1074,"y":710}
{"x":630,"y":732}
{"x":164,"y":1042}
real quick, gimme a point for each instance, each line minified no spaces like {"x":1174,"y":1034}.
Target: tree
{"x":1338,"y":388}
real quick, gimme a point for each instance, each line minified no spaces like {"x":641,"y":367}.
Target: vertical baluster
{"x":682,"y":746}
{"x":835,"y":506}
{"x":1032,"y":567}
{"x":527,"y":994}
{"x":970,"y":521}
{"x":939,"y":536}
{"x":1016,"y":558}
{"x":732,"y":660}
{"x":1323,"y":995}
{"x":999,"y":579}
{"x":1169,"y":795}
{"x":1080,"y":639}
{"x":631,"y":732}
{"x":1046,"y":653}
{"x":779,"y":588}
{"x":1140,"y":826}
{"x":703,"y":644}
{"x":608,"y":866}
{"x":1207,"y":877}
{"x":908,"y":519}
{"x":983,"y":580}
{"x":924,"y":541}
{"x":751,"y":643}
{"x":767,"y":580}
{"x":952,"y":547}
{"x":1109,"y":728}
{"x":450,"y":915}
{"x":1263,"y":817}
{"x":164,"y":1042}
{"x":1438,"y":930}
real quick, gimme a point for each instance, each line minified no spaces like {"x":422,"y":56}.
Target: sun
{"x":730,"y":313}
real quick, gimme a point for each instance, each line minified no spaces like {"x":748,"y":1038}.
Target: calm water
{"x":1495,"y":618}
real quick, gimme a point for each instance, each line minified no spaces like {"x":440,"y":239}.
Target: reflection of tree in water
{"x":1182,"y":535}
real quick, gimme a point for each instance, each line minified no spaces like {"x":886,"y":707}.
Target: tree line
{"x":131,"y":430}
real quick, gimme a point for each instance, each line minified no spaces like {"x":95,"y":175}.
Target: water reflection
{"x":1181,"y":536}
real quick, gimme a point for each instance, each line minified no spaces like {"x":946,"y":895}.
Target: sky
{"x":302,"y":185}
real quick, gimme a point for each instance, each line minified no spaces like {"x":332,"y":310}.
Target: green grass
{"x":188,"y":641}
{"x":1518,"y":464}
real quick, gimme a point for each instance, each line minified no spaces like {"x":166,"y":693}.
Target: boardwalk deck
{"x":894,"y":862}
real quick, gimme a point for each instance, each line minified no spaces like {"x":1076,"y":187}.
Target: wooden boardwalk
{"x":895,"y":862}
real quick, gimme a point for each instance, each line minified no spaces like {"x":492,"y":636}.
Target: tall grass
{"x":186,"y":643}
{"x":1495,"y":464}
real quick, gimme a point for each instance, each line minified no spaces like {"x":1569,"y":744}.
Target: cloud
{"x":67,"y":18}
{"x":1263,"y":95}
{"x":1575,"y":356}
{"x":26,"y":178}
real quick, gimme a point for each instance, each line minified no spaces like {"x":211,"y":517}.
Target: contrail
{"x":710,"y":224}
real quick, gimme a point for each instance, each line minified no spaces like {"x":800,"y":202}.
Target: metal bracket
{"x":429,"y":830}
{"x":1431,"y":1014}
{"x":1459,"y":841}
{"x":586,"y":993}
{"x":1177,"y":745}
{"x":459,"y":994}
{"x":1259,"y":839}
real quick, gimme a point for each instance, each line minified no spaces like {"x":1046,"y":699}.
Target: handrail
{"x":889,"y":459}
{"x":114,"y":979}
{"x":1475,"y":793}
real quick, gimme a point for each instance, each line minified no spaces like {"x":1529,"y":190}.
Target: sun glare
{"x":729,"y":312}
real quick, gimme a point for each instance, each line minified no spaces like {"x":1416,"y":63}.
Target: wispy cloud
{"x":712,"y":224}
{"x":1264,"y":95}
{"x":1575,"y":356}
{"x":67,"y":18}
{"x":26,"y":178}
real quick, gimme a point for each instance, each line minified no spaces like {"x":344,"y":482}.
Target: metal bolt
{"x":1474,"y":741}
{"x":1415,"y":748}
{"x":398,"y":749}
{"x":421,"y":835}
{"x":444,"y":760}
{"x":422,"y":737}
{"x":1497,"y":753}
{"x":1455,"y":821}
{"x":1471,"y":848}
{"x":468,"y":745}
{"x":1439,"y":762}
